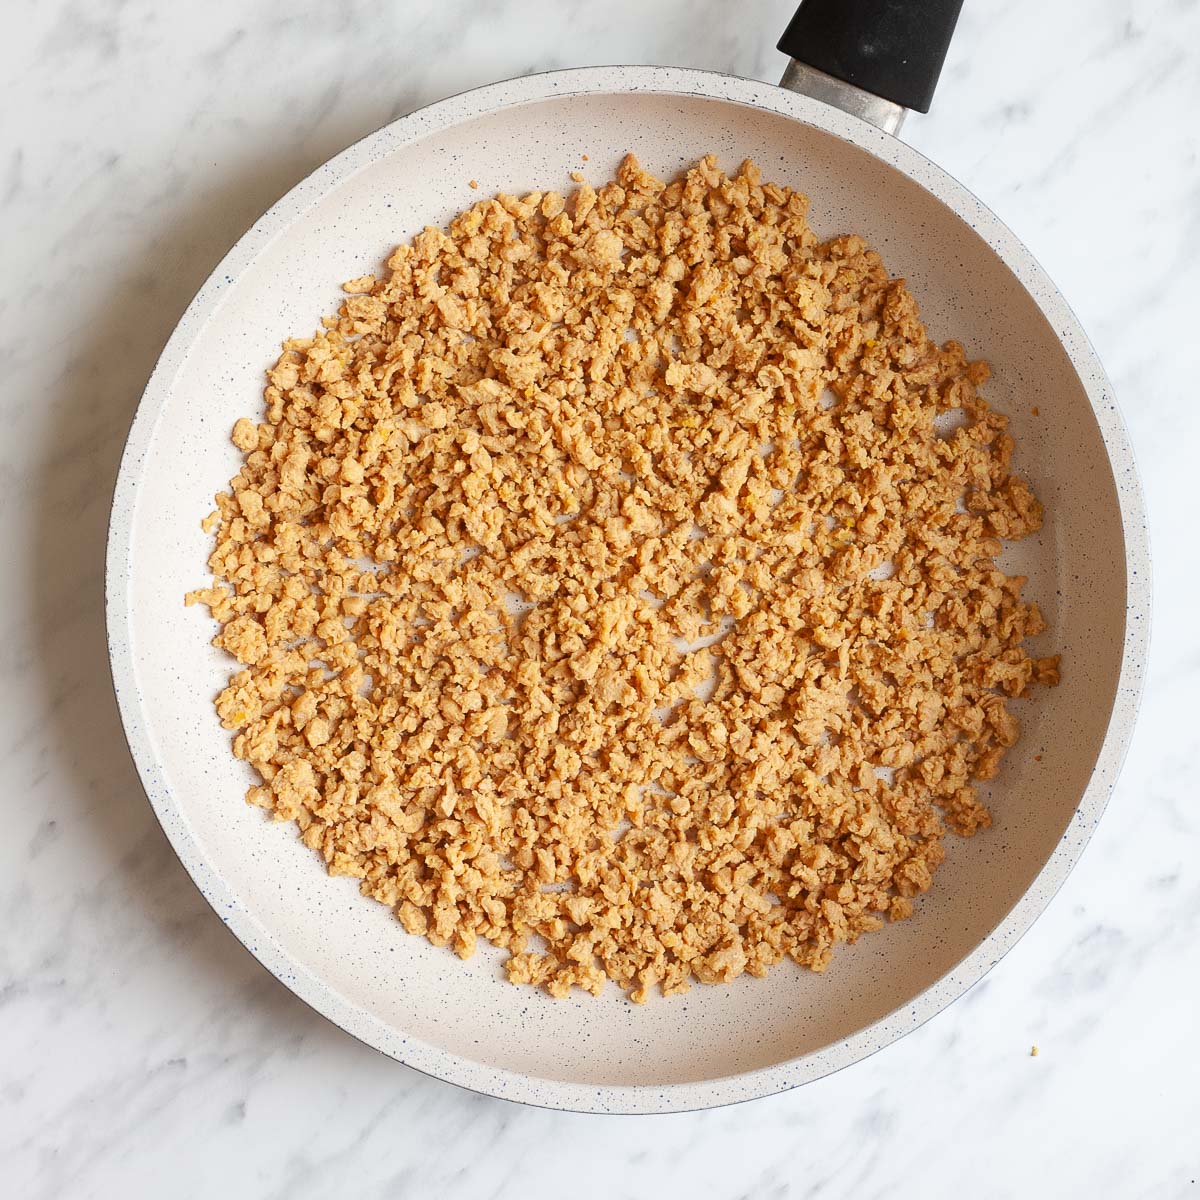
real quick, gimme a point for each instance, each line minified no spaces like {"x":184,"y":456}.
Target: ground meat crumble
{"x":610,"y":583}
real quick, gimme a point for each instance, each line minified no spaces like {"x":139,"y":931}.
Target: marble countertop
{"x":143,"y":1052}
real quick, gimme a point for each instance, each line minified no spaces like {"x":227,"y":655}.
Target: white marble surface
{"x":143,"y":1052}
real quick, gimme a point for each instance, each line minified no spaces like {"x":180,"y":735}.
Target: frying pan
{"x":830,"y":133}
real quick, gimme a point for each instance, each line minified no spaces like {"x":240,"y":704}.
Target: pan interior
{"x":355,"y":946}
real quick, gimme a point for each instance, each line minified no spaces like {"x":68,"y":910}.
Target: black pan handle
{"x":891,"y":48}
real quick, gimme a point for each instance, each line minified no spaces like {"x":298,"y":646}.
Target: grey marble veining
{"x":142,"y":1051}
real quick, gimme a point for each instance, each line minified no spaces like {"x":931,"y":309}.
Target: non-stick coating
{"x":347,"y":955}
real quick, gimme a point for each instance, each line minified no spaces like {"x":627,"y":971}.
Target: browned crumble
{"x":497,"y":501}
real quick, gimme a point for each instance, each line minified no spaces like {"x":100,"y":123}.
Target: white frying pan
{"x":347,"y":955}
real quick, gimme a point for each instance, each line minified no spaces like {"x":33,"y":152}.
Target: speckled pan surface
{"x":346,"y":955}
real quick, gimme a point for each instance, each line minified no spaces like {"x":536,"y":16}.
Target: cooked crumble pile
{"x":614,"y":579}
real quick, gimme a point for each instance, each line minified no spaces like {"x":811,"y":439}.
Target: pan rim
{"x":636,"y":1098}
